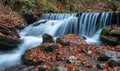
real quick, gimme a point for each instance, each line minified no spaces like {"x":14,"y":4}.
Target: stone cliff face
{"x":10,"y":25}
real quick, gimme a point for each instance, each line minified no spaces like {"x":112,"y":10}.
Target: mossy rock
{"x":105,"y":31}
{"x":49,"y":47}
{"x":109,"y":40}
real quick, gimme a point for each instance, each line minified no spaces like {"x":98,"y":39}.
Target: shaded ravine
{"x":88,"y":25}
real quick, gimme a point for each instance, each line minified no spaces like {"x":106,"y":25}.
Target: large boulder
{"x":10,"y":25}
{"x":70,"y":39}
{"x":38,"y":54}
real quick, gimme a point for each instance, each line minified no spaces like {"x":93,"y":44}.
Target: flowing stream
{"x":88,"y":25}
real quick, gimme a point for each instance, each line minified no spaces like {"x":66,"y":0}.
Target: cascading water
{"x":84,"y":24}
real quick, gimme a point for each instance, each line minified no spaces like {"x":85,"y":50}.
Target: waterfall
{"x":88,"y":25}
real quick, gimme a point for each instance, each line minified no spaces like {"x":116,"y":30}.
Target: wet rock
{"x":47,"y":38}
{"x":70,"y":39}
{"x":114,"y":61}
{"x":106,"y":55}
{"x":99,"y":66}
{"x":39,"y":22}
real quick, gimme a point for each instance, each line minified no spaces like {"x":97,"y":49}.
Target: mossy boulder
{"x":110,"y":36}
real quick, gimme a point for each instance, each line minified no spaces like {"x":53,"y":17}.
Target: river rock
{"x":106,"y":55}
{"x":47,"y":38}
{"x":70,"y":39}
{"x":114,"y":61}
{"x":99,"y":66}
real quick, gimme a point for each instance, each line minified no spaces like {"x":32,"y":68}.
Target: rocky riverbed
{"x":69,"y":53}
